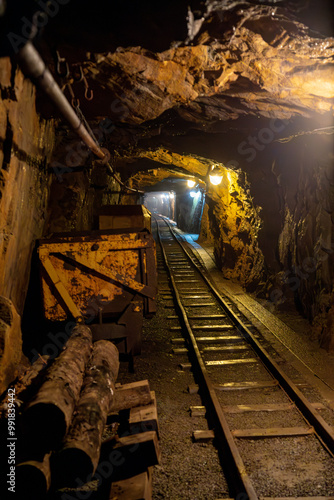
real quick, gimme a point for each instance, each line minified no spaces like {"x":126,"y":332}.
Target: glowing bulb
{"x":215,"y":179}
{"x":194,"y":194}
{"x":215,"y":176}
{"x":190,"y":183}
{"x":172,"y":196}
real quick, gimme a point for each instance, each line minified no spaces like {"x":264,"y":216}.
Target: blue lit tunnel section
{"x":184,"y":205}
{"x":161,"y":202}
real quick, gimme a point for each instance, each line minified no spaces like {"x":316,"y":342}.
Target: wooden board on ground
{"x":197,"y":411}
{"x":185,"y":366}
{"x":135,"y":488}
{"x":203,"y":435}
{"x":144,"y":418}
{"x":135,"y":453}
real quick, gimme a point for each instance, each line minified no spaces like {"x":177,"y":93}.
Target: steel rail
{"x":322,"y":429}
{"x":224,"y":434}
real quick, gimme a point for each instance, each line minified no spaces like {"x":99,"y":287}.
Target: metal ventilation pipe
{"x":33,"y":66}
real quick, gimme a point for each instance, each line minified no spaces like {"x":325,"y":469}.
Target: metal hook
{"x":89,"y":96}
{"x":60,"y":60}
{"x":81,"y":76}
{"x":75,"y":102}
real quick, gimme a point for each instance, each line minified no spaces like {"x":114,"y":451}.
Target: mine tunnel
{"x":166,"y":249}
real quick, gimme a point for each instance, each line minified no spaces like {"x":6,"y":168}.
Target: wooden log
{"x":81,"y":449}
{"x":33,"y":371}
{"x":48,"y":416}
{"x":131,"y":395}
{"x":26,"y":386}
{"x":33,"y":478}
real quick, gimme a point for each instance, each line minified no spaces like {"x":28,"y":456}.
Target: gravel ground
{"x":253,"y":396}
{"x":300,"y":469}
{"x":261,"y":419}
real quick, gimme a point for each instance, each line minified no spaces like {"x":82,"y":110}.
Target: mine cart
{"x":105,"y":278}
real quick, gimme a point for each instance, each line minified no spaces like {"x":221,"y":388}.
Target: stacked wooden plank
{"x":139,"y":447}
{"x":64,"y":427}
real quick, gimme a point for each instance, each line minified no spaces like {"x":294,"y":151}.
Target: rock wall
{"x":206,"y":236}
{"x":234,"y":223}
{"x":27,"y":144}
{"x":77,"y":196}
{"x":305,"y":248}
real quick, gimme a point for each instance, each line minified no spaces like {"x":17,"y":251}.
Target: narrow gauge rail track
{"x":219,"y":340}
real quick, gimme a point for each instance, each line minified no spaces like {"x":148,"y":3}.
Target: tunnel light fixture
{"x":194,"y":194}
{"x":216,"y":175}
{"x":191,"y":183}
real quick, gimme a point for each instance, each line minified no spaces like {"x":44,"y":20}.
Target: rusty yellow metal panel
{"x":125,"y":216}
{"x":98,"y":272}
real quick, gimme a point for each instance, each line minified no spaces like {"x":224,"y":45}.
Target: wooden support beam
{"x":273,"y":432}
{"x":135,"y":454}
{"x":144,"y":418}
{"x":259,"y":407}
{"x":220,"y":339}
{"x":207,"y":316}
{"x":131,"y":395}
{"x":177,"y":340}
{"x":185,"y":366}
{"x":223,"y":362}
{"x":200,"y":304}
{"x":197,"y":411}
{"x":236,"y":386}
{"x":180,"y":350}
{"x":213,"y":327}
{"x":135,"y":488}
{"x":203,"y":435}
{"x":226,"y":348}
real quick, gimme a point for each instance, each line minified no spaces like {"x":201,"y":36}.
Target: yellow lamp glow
{"x":191,"y":183}
{"x":216,"y":176}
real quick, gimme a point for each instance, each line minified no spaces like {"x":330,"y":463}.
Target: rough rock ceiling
{"x":236,"y":59}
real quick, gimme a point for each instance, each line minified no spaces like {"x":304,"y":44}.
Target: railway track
{"x":256,"y":412}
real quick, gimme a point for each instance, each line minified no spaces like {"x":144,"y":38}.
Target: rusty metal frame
{"x":63,"y":292}
{"x":105,"y":273}
{"x":90,"y":253}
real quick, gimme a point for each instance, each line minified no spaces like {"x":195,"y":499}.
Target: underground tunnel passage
{"x":166,"y":250}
